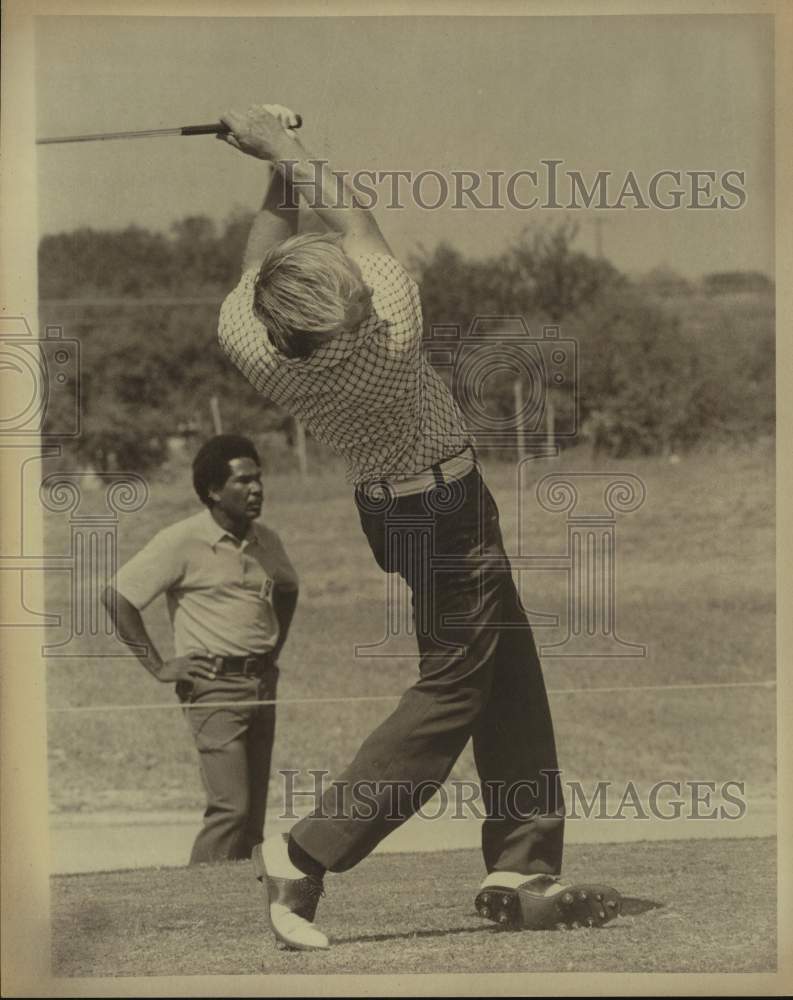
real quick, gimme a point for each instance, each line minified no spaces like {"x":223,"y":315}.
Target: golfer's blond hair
{"x":307,"y":291}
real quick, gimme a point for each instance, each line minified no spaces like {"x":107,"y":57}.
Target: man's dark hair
{"x":211,"y":464}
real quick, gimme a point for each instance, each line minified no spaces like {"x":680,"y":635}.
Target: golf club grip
{"x":219,"y":128}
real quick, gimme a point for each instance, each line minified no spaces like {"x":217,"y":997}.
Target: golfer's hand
{"x":261,"y":131}
{"x":196,"y":666}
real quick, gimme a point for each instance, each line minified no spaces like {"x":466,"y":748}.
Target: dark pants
{"x":235,"y":749}
{"x":480,"y":678}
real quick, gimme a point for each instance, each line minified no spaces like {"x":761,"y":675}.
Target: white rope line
{"x":147,"y":706}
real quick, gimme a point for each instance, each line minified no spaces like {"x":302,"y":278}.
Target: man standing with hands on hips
{"x":329,"y":326}
{"x":231,"y":593}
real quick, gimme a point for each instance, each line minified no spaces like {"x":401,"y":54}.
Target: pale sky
{"x":640,"y":93}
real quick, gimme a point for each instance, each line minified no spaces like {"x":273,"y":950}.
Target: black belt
{"x":249,"y":666}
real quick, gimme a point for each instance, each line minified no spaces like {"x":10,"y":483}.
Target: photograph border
{"x":25,"y":839}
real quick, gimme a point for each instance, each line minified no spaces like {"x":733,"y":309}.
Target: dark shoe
{"x":543,"y":902}
{"x":291,"y":897}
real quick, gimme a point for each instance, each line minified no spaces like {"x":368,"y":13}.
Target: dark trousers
{"x":235,"y":750}
{"x":480,"y":678}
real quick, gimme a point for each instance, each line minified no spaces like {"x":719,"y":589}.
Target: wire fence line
{"x":170,"y":706}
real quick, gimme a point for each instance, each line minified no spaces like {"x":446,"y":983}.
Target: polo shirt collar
{"x":213,"y":533}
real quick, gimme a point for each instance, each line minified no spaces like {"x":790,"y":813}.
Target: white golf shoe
{"x":291,"y":896}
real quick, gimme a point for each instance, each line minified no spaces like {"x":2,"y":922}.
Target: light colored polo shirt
{"x":218,"y":590}
{"x":369,"y":393}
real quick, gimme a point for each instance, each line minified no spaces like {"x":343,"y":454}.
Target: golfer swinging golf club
{"x":329,"y":326}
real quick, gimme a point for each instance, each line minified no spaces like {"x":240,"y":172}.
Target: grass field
{"x":690,"y":906}
{"x":695,"y":584}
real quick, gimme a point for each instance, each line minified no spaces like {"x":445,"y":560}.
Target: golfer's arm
{"x":275,"y":221}
{"x":131,"y":630}
{"x":333,"y":201}
{"x":284,"y":604}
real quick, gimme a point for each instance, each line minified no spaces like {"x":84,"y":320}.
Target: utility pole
{"x":520,"y":437}
{"x":300,"y":449}
{"x":214,"y":409}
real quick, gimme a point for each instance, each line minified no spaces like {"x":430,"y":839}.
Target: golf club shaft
{"x":214,"y":128}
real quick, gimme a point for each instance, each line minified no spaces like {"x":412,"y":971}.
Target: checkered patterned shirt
{"x":368,"y":393}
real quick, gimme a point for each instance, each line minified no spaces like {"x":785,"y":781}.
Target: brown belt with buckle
{"x":248,"y":666}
